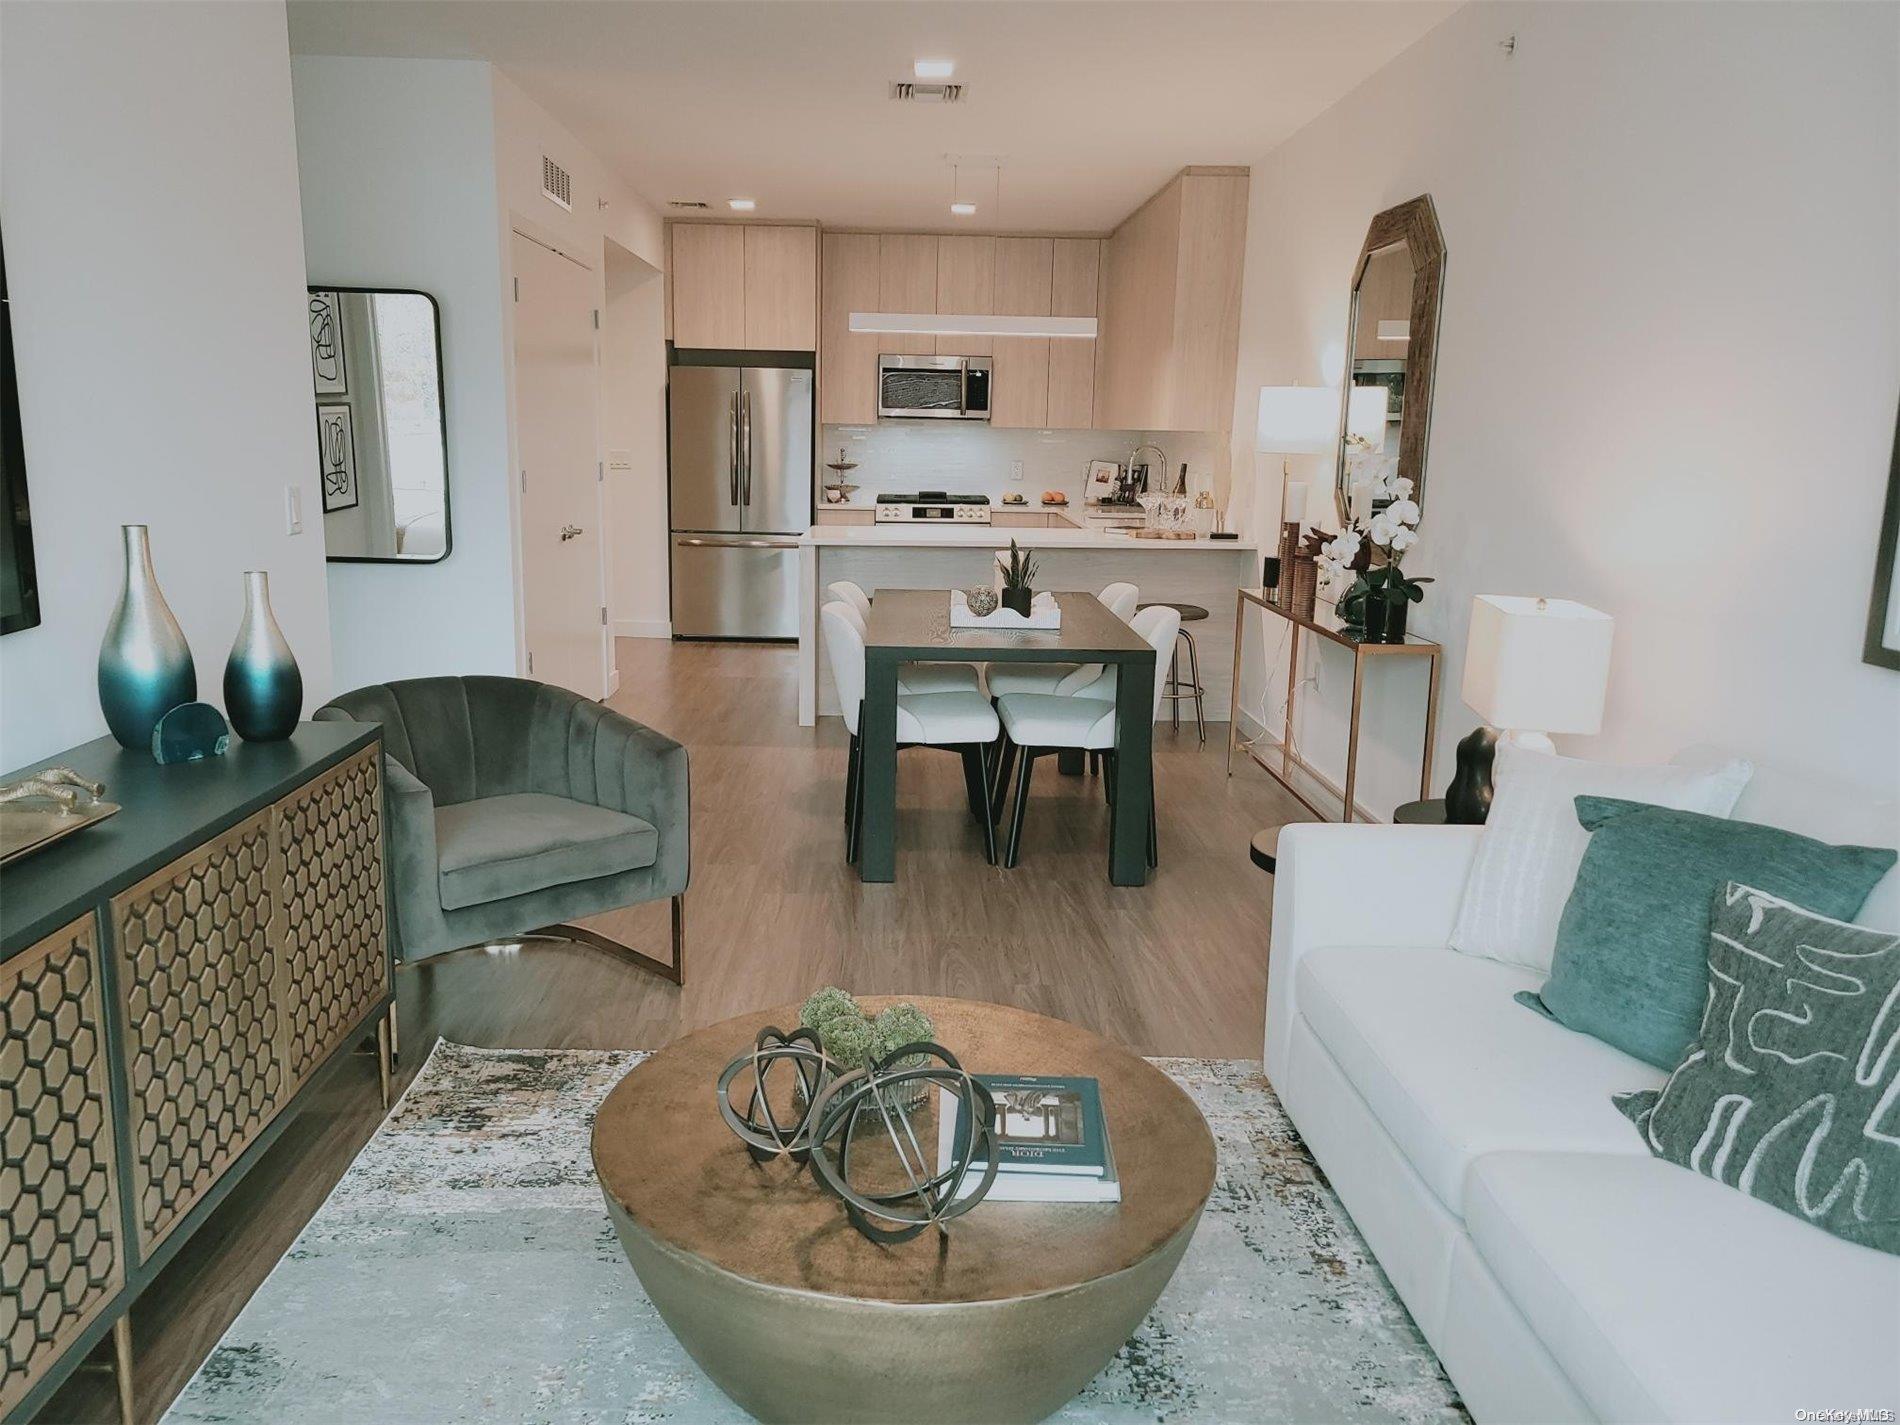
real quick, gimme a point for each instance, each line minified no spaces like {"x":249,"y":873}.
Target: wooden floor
{"x":1176,"y":967}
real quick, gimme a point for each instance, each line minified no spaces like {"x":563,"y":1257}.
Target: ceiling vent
{"x":556,"y":186}
{"x":691,"y":204}
{"x":906,"y":91}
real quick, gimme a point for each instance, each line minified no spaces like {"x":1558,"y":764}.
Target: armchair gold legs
{"x":675,"y":972}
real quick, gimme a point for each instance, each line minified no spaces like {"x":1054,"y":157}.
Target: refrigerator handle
{"x":732,"y":447}
{"x":745,"y":426}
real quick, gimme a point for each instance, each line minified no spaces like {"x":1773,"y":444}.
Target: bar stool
{"x":1174,"y":690}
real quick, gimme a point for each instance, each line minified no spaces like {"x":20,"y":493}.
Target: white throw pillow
{"x":1527,"y":858}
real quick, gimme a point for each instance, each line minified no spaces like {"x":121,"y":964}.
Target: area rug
{"x":464,"y":1270}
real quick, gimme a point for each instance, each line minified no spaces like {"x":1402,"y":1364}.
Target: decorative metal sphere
{"x":981,"y":599}
{"x":874,"y":1097}
{"x":770,"y":1131}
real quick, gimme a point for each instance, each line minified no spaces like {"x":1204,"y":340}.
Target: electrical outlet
{"x":293,"y":510}
{"x":1015,"y":470}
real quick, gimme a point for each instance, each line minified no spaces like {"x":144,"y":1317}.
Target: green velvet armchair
{"x":514,"y":807}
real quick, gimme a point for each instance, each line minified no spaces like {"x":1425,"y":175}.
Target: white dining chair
{"x":1065,"y":679}
{"x":911,"y":677}
{"x":962,"y":719}
{"x":1037,"y":724}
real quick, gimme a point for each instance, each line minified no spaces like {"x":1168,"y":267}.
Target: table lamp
{"x":1532,"y":667}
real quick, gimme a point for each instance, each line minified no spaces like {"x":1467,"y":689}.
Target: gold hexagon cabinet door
{"x":196,"y":971}
{"x":60,"y":1263}
{"x":333,"y":961}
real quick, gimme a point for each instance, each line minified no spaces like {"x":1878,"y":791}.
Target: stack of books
{"x":1051,"y":1140}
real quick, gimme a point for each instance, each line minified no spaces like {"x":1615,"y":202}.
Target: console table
{"x":173,"y":982}
{"x":1324,"y":622}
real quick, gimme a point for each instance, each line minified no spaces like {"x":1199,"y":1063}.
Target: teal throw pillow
{"x":1791,"y":1090}
{"x":1631,"y":963}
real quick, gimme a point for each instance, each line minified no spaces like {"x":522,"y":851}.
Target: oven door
{"x":923,"y":387}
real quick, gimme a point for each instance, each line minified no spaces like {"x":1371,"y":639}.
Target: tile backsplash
{"x":973,"y":459}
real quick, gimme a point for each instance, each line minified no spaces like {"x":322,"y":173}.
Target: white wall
{"x":1668,"y":367}
{"x":397,"y":165}
{"x":155,"y":266}
{"x":633,"y":426}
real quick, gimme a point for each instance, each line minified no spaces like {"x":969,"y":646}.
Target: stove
{"x":933,"y":505}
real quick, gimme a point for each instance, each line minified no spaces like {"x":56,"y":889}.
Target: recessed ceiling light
{"x":934,"y":68}
{"x":963,"y":210}
{"x":741,"y":205}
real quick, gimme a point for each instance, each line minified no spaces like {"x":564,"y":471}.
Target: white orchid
{"x":1336,"y":556}
{"x":1403,"y":511}
{"x":1403,"y":539}
{"x":1401,"y":488}
{"x":1381,"y":529}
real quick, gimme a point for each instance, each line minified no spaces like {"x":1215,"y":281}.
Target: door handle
{"x":695,"y":542}
{"x":571,"y":531}
{"x":732,"y":446}
{"x":745,"y":406}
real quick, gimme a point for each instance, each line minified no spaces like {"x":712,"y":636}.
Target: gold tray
{"x":26,"y":829}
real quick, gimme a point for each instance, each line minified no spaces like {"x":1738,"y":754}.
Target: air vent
{"x":905,"y":91}
{"x":691,"y":204}
{"x":556,"y":187}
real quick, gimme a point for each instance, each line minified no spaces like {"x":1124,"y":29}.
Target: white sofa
{"x":1560,"y":1272}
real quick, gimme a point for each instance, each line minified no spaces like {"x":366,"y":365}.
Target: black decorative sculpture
{"x":1468,"y":797}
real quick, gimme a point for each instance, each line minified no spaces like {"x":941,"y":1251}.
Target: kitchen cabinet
{"x":1041,"y":382}
{"x":744,"y":287}
{"x":907,"y":282}
{"x":966,"y":284}
{"x":1075,"y":276}
{"x":1171,"y":306}
{"x":847,"y":363}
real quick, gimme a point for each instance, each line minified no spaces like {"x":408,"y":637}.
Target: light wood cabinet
{"x":966,"y":284}
{"x":744,"y":286}
{"x":708,"y":290}
{"x":1019,"y":388}
{"x":781,"y":288}
{"x":847,"y":363}
{"x":1171,"y":307}
{"x":1385,"y":295}
{"x":1074,"y":280}
{"x":907,"y":282}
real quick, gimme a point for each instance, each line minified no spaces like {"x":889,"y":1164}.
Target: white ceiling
{"x":1090,"y":105}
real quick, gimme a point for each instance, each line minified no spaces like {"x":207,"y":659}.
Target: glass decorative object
{"x":145,"y":667}
{"x":190,"y":732}
{"x":263,"y":687}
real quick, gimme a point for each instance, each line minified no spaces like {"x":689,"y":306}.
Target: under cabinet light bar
{"x":952,"y":324}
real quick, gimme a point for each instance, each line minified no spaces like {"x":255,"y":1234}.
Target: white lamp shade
{"x":1537,"y":665}
{"x":1366,"y":410}
{"x":1297,"y":420}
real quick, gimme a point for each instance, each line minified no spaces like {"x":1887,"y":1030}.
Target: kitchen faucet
{"x":1162,"y":464}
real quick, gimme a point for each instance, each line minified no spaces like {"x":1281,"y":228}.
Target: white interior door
{"x":557,"y":397}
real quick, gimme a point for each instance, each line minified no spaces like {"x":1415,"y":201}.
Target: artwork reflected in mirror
{"x":1883,"y":616}
{"x":1391,"y":346}
{"x":19,"y":585}
{"x":382,"y":448}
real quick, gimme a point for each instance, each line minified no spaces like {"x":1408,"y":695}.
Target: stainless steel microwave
{"x":942,"y":388}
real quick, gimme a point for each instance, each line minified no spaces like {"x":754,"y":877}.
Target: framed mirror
{"x":19,"y":584}
{"x":382,"y":441}
{"x":1391,"y":346}
{"x":1883,"y":616}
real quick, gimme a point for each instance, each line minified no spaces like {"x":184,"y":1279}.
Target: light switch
{"x":293,"y":510}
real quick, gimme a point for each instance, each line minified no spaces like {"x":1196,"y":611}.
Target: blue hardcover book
{"x":1044,"y":1124}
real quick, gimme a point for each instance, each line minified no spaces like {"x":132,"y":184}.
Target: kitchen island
{"x":954,"y":556}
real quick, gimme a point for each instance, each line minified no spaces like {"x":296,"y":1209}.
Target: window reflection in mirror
{"x":376,"y":367}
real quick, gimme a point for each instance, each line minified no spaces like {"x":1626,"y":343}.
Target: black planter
{"x":1385,"y":617}
{"x":1018,"y":599}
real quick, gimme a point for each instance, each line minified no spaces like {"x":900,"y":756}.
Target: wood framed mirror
{"x":1392,"y":346}
{"x":1882,"y":648}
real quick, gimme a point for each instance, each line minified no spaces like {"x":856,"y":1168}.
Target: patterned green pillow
{"x":1791,"y":1091}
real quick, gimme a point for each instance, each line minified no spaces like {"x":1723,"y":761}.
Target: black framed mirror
{"x":19,"y":581}
{"x":382,"y":432}
{"x":1391,"y":347}
{"x":1883,"y":614}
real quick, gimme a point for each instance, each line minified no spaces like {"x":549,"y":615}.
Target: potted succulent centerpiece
{"x":1018,"y":572}
{"x":853,"y":1039}
{"x":1381,"y":596}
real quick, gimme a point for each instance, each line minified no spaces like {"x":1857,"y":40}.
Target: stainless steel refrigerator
{"x":739,"y":462}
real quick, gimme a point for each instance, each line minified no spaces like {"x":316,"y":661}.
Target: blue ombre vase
{"x":145,"y":667}
{"x":263,"y":688}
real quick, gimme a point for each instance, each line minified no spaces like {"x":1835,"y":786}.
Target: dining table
{"x":913,"y":626}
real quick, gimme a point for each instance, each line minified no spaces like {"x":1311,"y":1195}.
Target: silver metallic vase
{"x":263,"y":687}
{"x":145,"y":667}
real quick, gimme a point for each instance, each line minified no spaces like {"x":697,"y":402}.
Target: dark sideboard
{"x":173,"y":981}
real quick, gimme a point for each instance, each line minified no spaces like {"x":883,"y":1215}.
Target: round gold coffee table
{"x":798,"y":1317}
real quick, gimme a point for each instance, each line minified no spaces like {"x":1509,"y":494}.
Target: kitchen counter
{"x":953,"y":556}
